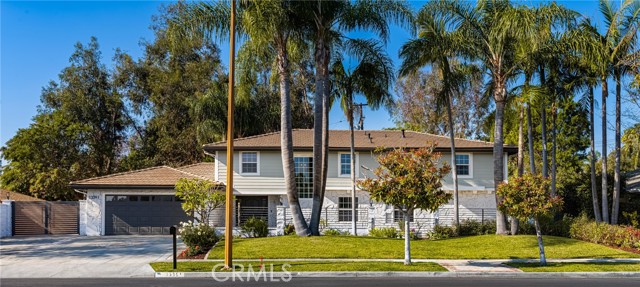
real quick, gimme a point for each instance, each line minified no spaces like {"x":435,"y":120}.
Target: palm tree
{"x":608,"y":52}
{"x":621,"y":34}
{"x":327,"y":23}
{"x":438,"y":47}
{"x":491,"y":30}
{"x":372,"y":78}
{"x":271,"y":26}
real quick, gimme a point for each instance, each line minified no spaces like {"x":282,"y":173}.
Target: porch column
{"x":281,"y":219}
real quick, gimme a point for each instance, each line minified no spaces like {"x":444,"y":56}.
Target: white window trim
{"x":470,"y":164}
{"x":257,"y":161}
{"x":352,"y":166}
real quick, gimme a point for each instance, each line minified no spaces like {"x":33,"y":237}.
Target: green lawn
{"x":578,"y":267}
{"x":472,"y":247}
{"x":301,"y":266}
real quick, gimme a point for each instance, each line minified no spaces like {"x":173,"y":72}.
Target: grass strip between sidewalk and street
{"x":578,"y":267}
{"x":300,"y":266}
{"x":364,"y":247}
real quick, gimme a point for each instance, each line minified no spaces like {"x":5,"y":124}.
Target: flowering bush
{"x":606,"y":234}
{"x":199,"y":237}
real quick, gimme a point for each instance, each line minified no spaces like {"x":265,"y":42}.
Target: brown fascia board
{"x":119,"y":186}
{"x":211,"y":149}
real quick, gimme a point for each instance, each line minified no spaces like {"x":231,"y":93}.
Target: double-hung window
{"x":344,"y":168}
{"x":398,"y":215}
{"x":463,"y":165}
{"x":249,"y":162}
{"x":345,"y":209}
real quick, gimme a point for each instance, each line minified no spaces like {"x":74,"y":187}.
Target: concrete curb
{"x":281,"y":275}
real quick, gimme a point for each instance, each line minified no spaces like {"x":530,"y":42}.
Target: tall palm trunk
{"x":605,"y":200}
{"x":543,"y":119}
{"x":514,"y":221}
{"x":320,"y":56}
{"x":286,"y":138}
{"x":498,"y":152}
{"x":594,"y":188}
{"x":554,"y":133}
{"x":454,"y":172}
{"x":532,"y":163}
{"x":616,"y":174}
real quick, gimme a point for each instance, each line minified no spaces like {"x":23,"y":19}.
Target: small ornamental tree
{"x":200,"y":197}
{"x":528,"y":197}
{"x":408,"y":179}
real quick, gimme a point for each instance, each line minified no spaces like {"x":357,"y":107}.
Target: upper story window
{"x":463,"y":165}
{"x":345,"y":164}
{"x":249,"y":162}
{"x":303,"y":169}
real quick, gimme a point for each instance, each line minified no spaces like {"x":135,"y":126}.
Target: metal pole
{"x":228,"y":232}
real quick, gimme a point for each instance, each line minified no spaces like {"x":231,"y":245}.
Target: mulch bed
{"x":182,"y":255}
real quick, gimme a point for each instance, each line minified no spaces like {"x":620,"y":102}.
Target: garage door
{"x":142,"y":214}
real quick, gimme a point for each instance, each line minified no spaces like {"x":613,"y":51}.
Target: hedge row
{"x":606,"y":234}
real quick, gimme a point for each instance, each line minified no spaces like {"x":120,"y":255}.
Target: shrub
{"x":289,"y":229}
{"x":384,"y":232}
{"x":606,"y":234}
{"x":199,"y":238}
{"x":470,"y":227}
{"x":335,"y":232}
{"x":442,"y":232}
{"x":549,"y":226}
{"x":255,"y":227}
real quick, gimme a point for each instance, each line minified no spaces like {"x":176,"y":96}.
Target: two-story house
{"x":140,"y":202}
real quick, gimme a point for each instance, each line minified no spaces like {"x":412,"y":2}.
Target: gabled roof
{"x":364,"y":140}
{"x":12,"y":195}
{"x":153,"y":177}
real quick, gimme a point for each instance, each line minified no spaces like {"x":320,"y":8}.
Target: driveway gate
{"x":45,"y":217}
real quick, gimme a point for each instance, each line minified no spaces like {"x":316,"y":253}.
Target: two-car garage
{"x":140,"y":202}
{"x":142,"y":214}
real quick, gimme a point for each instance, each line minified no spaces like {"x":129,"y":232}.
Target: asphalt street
{"x":311,"y":282}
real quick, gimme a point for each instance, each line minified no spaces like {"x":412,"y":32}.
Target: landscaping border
{"x":524,"y":275}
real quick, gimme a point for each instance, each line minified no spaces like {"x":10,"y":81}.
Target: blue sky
{"x":37,"y":39}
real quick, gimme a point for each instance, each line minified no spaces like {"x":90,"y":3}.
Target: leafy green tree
{"x":45,"y":157}
{"x":528,"y":197}
{"x":200,"y":197}
{"x":409,"y":179}
{"x":372,"y":77}
{"x":78,"y":132}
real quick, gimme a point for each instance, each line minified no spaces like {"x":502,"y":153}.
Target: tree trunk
{"x":554,"y":130}
{"x":532,"y":163}
{"x":286,"y":139}
{"x":407,"y":238}
{"x":543,"y":116}
{"x":594,"y":188}
{"x":605,"y":199}
{"x":454,"y":172}
{"x":318,"y":196}
{"x":354,"y":209}
{"x":543,"y":258}
{"x":498,"y":153}
{"x":616,"y":173}
{"x":515,"y":224}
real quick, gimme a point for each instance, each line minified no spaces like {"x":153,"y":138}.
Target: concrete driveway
{"x":81,"y":256}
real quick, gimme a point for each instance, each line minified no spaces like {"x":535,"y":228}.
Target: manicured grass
{"x":578,"y":267}
{"x":472,"y":247}
{"x":301,"y":266}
